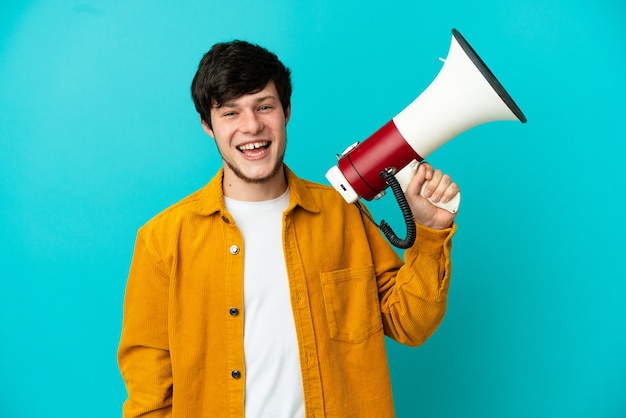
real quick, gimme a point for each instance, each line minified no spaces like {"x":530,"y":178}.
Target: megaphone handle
{"x":404,"y":177}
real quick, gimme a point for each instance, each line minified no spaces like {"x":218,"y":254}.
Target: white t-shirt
{"x":273,"y":376}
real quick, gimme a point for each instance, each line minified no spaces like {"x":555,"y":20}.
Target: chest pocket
{"x":351,"y":303}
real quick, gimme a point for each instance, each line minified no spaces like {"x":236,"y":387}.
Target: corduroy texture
{"x":182,"y":346}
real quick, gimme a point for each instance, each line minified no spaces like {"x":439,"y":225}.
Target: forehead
{"x":267,"y":93}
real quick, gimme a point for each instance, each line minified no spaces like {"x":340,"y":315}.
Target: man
{"x":265,"y":295}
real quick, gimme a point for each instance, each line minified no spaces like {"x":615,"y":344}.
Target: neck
{"x":239,"y":189}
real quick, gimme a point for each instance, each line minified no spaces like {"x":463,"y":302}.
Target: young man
{"x":265,"y":295}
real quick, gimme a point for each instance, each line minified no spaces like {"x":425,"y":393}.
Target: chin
{"x":259,"y":178}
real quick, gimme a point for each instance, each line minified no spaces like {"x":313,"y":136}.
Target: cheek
{"x":220,"y":142}
{"x":222,"y":136}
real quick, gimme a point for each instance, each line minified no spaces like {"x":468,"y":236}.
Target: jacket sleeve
{"x":413,"y":298}
{"x":143,"y":353}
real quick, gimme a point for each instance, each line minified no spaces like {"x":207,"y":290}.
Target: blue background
{"x":98,"y":133}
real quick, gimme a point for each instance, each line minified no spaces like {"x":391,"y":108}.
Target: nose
{"x":252,"y":123}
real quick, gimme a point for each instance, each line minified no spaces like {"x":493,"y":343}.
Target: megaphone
{"x":463,"y":95}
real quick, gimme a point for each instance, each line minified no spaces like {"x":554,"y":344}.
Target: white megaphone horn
{"x":464,"y":94}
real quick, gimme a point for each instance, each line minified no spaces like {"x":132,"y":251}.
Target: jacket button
{"x":236,"y":374}
{"x":234,"y":311}
{"x":234,"y":250}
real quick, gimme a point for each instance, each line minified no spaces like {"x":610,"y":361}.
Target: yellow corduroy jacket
{"x":181,"y":351}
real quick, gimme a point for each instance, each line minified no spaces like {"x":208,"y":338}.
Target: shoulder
{"x":314,"y":196}
{"x":322,"y":190}
{"x":175,"y":213}
{"x":315,"y":189}
{"x":205,"y":201}
{"x":323,"y":200}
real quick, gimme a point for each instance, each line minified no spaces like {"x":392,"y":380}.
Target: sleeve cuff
{"x":430,"y":240}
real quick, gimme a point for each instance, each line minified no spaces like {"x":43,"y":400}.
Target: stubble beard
{"x":277,"y":168}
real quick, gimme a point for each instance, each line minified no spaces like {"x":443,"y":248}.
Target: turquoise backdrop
{"x":98,"y":133}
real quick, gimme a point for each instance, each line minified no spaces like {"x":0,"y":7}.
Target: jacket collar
{"x":211,"y":197}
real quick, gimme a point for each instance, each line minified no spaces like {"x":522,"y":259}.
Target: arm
{"x":414,"y":298}
{"x":143,"y":354}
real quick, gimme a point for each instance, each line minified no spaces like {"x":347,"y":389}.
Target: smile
{"x":254,"y":148}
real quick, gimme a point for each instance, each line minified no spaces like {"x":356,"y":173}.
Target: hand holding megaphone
{"x":432,"y":197}
{"x":405,"y":176}
{"x":464,"y":94}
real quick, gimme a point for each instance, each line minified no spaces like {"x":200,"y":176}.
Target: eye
{"x":265,"y":108}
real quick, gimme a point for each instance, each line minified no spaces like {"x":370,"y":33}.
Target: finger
{"x":433,"y":184}
{"x":427,"y":169}
{"x":415,"y":185}
{"x":451,"y":191}
{"x":444,"y":182}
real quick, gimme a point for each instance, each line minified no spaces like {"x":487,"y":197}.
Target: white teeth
{"x":253,"y":146}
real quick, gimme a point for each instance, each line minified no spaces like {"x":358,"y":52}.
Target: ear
{"x":207,"y":128}
{"x":287,"y":114}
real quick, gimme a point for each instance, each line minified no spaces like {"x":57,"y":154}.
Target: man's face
{"x":250,"y":133}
